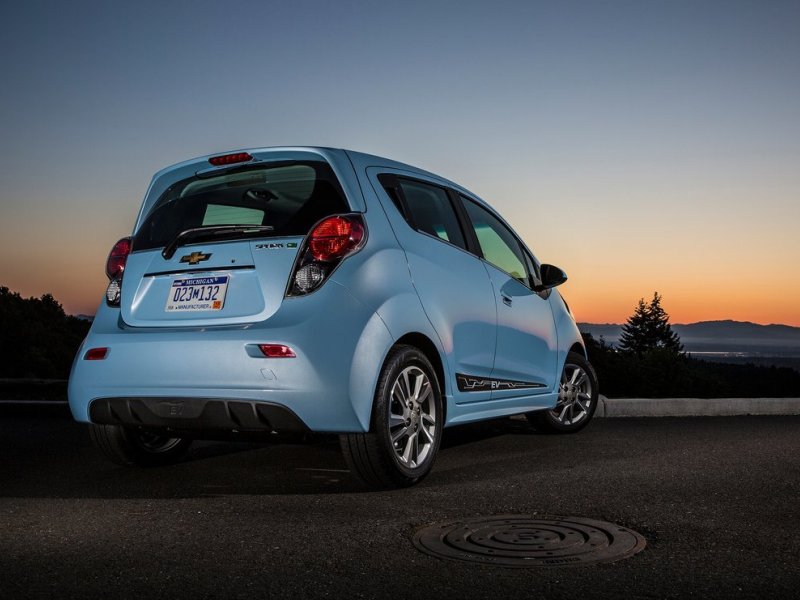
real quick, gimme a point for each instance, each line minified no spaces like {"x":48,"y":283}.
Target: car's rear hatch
{"x":217,"y":247}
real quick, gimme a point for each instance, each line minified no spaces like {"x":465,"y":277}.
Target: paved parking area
{"x":716,"y":498}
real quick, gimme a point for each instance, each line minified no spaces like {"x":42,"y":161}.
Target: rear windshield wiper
{"x":210,"y":233}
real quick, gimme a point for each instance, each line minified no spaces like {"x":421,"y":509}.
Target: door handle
{"x":506,"y":299}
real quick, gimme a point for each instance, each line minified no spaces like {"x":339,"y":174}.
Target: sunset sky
{"x":639,"y":145}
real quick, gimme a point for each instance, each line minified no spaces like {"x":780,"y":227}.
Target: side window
{"x":432,"y":212}
{"x":498,"y":244}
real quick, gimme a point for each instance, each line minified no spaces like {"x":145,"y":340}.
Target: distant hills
{"x":720,"y":337}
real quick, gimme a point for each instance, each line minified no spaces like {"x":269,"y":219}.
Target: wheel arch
{"x":569,"y":337}
{"x":428,"y":347}
{"x":579,"y":348}
{"x":425,"y":345}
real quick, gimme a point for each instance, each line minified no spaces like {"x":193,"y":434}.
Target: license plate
{"x":197,"y":294}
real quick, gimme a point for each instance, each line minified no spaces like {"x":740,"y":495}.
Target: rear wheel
{"x":577,"y":399}
{"x":131,"y":447}
{"x":406,"y":426}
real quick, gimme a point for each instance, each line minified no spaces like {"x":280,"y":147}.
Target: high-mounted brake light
{"x":117,"y":258}
{"x":230,"y":159}
{"x":330,"y":241}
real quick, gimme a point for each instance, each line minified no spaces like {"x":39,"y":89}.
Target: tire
{"x":130,"y":447}
{"x":577,"y":399}
{"x":406,"y":426}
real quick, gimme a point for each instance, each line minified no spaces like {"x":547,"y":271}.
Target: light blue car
{"x":313,"y":289}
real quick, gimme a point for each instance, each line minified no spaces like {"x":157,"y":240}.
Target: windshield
{"x":283,"y":199}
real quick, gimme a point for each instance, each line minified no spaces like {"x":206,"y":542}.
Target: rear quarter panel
{"x":566,"y":328}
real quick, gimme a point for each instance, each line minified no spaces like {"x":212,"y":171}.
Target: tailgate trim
{"x":203,"y":270}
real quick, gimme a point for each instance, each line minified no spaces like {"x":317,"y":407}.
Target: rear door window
{"x":288,"y":198}
{"x":431,"y":211}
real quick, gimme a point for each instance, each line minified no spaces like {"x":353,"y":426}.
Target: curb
{"x":695,"y":407}
{"x":34,"y":402}
{"x":620,"y":407}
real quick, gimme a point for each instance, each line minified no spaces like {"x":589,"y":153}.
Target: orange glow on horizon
{"x":82,"y":295}
{"x":685,"y":305}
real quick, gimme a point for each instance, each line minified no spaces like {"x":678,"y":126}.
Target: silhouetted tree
{"x":636,"y":331}
{"x":37,"y":339}
{"x":662,"y":374}
{"x":665,"y":337}
{"x":648,"y":329}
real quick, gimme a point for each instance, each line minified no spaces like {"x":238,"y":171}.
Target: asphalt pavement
{"x":716,"y":499}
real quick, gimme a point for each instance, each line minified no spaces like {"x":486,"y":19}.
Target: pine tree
{"x":649,"y":329}
{"x":635,"y":332}
{"x":663,"y":335}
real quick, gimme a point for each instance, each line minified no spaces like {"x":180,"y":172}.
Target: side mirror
{"x":551,"y":277}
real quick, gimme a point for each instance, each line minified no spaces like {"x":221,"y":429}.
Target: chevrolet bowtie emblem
{"x":194,"y":258}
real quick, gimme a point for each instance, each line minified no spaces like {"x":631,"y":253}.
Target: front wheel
{"x":130,"y":447}
{"x":577,"y":399}
{"x":406,"y":425}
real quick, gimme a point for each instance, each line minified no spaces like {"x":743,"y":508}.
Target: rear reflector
{"x":230,"y":159}
{"x":277,"y":351}
{"x":95,"y":354}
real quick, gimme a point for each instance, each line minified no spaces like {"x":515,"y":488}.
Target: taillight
{"x":115,"y":267}
{"x":328,"y":243}
{"x":117,"y":258}
{"x":230,"y":159}
{"x":334,"y":238}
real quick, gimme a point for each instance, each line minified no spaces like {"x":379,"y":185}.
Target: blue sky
{"x":656,"y":139}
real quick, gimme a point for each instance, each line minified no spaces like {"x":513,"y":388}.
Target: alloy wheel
{"x":574,"y":396}
{"x":412,"y":417}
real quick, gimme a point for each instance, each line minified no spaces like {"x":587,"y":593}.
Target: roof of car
{"x":361,"y":157}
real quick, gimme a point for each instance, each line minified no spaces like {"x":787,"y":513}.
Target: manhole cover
{"x":520,"y":541}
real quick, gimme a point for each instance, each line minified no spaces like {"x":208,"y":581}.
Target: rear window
{"x":288,"y":197}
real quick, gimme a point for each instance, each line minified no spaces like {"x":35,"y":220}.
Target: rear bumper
{"x":217,"y":375}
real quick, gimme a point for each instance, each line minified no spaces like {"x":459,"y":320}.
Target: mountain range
{"x":720,"y":337}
